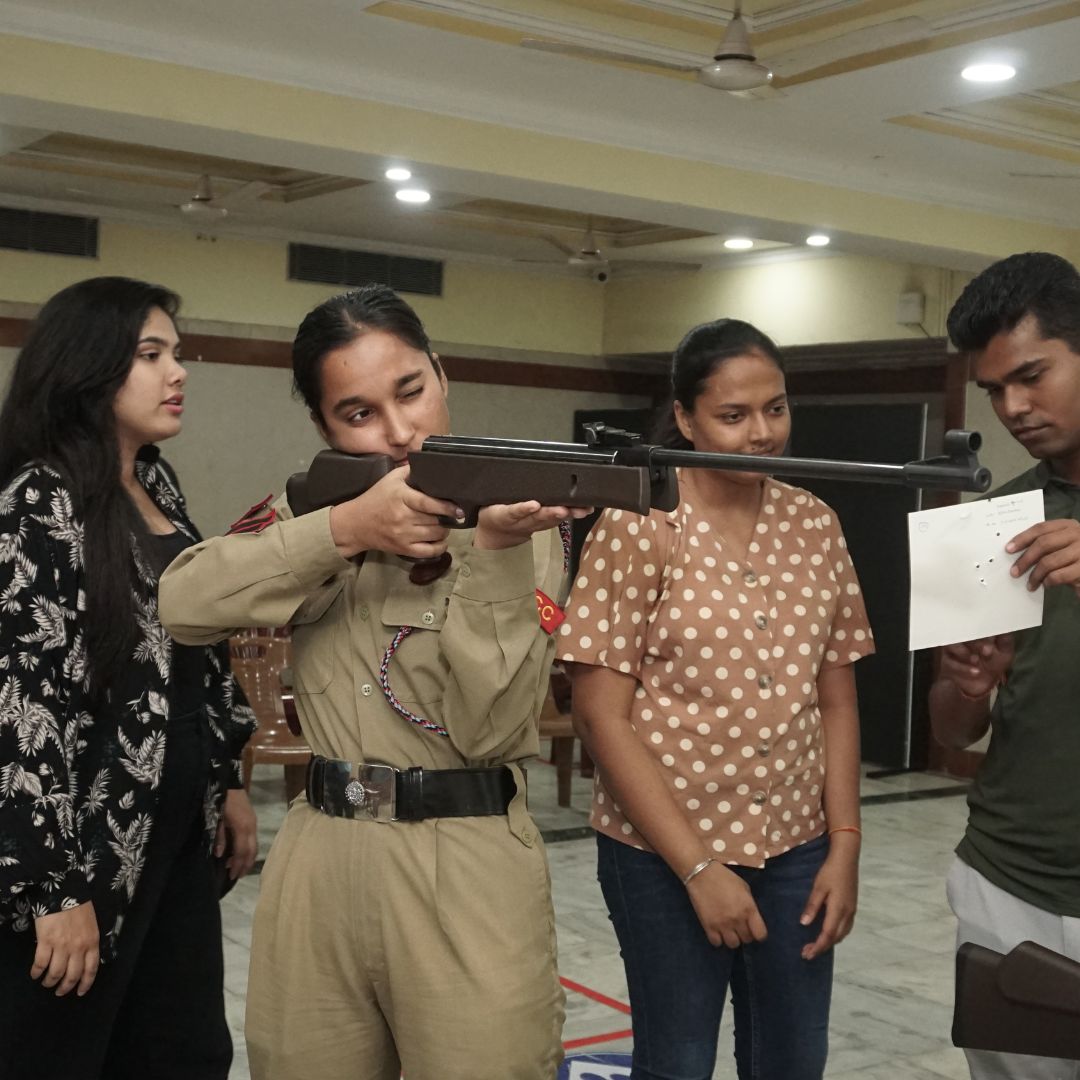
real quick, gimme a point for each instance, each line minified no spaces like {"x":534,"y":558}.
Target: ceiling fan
{"x":205,"y":206}
{"x":588,"y":256}
{"x":735,"y":67}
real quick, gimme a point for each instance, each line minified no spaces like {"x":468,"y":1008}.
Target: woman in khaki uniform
{"x":405,"y":921}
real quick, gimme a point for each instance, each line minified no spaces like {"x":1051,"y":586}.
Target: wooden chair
{"x":257,"y":663}
{"x":556,"y":725}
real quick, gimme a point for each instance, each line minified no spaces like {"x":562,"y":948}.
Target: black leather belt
{"x":383,"y":793}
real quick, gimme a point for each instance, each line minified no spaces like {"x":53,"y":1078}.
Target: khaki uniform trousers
{"x":426,"y":948}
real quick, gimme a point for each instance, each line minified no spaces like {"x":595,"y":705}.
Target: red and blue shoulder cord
{"x":392,"y":698}
{"x":403,"y":632}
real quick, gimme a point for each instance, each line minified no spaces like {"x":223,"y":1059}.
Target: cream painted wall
{"x":243,"y":434}
{"x":241,"y":280}
{"x":1000,"y":452}
{"x":802,"y":301}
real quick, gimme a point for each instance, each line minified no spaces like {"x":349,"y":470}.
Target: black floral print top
{"x":78,"y":790}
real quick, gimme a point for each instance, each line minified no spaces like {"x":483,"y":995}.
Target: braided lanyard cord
{"x":391,"y":697}
{"x":404,"y":631}
{"x":566,"y":535}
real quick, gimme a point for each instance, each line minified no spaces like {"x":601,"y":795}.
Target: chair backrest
{"x":257,"y":662}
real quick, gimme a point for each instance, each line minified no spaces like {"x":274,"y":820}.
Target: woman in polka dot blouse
{"x":711,"y":650}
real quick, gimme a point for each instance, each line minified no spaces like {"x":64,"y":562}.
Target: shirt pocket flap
{"x":420,"y":606}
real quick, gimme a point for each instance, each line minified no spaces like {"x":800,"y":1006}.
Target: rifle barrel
{"x":959,"y":471}
{"x":950,"y":475}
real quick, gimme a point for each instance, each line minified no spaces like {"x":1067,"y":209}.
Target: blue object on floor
{"x":595,"y":1067}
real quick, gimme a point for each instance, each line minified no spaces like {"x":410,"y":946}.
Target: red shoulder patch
{"x":551,"y":615}
{"x":256,"y":519}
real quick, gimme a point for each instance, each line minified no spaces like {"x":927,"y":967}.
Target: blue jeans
{"x":678,"y":981}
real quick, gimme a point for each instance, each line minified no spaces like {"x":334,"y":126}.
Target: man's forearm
{"x":957,"y":720}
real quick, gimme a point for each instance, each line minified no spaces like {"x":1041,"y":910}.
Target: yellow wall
{"x":803,"y":301}
{"x":241,"y":280}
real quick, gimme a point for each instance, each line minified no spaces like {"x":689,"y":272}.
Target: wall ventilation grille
{"x":341,"y":266}
{"x":53,"y":234}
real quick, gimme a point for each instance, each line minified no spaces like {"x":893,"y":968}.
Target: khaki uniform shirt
{"x":476,"y":662}
{"x":727,"y":653}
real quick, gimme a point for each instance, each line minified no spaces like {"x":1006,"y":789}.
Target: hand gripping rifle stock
{"x":613,"y":468}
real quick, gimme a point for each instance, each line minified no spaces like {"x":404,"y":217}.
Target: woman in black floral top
{"x":119,"y":770}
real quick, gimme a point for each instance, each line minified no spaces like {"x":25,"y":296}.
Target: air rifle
{"x":613,"y":468}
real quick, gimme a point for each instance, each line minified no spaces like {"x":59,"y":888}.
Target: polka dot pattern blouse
{"x":727,"y":653}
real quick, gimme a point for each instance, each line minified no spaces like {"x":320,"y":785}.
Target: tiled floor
{"x":892,"y":999}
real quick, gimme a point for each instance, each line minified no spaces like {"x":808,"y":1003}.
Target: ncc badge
{"x":259,"y":517}
{"x":551,"y":615}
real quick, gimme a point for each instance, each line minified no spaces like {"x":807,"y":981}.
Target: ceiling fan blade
{"x":768,"y":92}
{"x":555,"y":242}
{"x":655,"y":234}
{"x":622,"y":265}
{"x":1045,"y":176}
{"x":589,"y":52}
{"x":246,"y":193}
{"x":869,"y":39}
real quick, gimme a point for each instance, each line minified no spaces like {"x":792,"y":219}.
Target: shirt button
{"x":764,"y":750}
{"x":428,"y":618}
{"x":527,"y":837}
{"x":366,"y":689}
{"x":465,"y":572}
{"x":761,"y":622}
{"x":749,"y":577}
{"x":764,"y":681}
{"x":364,"y":611}
{"x":759,"y":798}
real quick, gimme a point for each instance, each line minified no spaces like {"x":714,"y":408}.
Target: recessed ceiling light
{"x":739,"y":243}
{"x":818,"y":240}
{"x":988,"y":72}
{"x":413,"y":195}
{"x":398,"y":173}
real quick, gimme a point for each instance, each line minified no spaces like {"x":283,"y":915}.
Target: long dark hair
{"x":698,"y":355}
{"x":343,"y":318}
{"x":59,"y":412}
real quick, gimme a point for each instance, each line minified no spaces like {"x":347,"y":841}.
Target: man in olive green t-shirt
{"x":1017,"y":872}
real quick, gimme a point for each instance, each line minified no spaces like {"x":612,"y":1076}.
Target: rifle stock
{"x":614,"y":469}
{"x":1026,"y":1001}
{"x":334,"y":477}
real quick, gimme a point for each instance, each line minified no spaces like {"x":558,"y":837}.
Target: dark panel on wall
{"x":874,"y":519}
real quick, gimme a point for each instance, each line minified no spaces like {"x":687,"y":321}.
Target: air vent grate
{"x":343,"y":266}
{"x":52,"y":234}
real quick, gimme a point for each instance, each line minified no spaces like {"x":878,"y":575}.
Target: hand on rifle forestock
{"x":391,"y":516}
{"x":511,"y":524}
